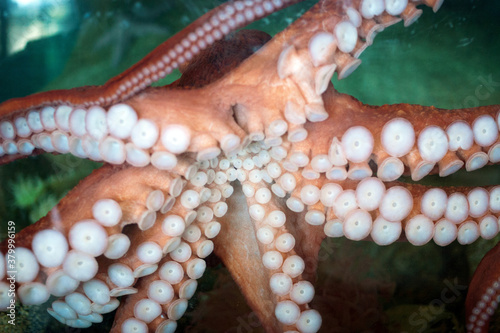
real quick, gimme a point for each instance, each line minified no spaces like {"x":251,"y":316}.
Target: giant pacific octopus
{"x":257,"y":160}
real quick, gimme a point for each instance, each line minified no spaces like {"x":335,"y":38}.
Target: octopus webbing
{"x":260,"y":178}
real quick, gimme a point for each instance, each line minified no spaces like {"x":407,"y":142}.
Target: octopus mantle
{"x":254,"y":157}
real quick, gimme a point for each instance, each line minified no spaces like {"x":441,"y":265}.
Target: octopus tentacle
{"x":109,"y":211}
{"x":162,"y":296}
{"x":119,"y":134}
{"x":139,"y":132}
{"x":482,"y":297}
{"x":59,"y":128}
{"x":277,"y":250}
{"x":279,"y":257}
{"x":151,"y":223}
{"x":99,"y":229}
{"x":173,"y":53}
{"x":382,"y":212}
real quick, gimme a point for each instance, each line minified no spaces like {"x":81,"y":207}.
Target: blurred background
{"x":450,"y":59}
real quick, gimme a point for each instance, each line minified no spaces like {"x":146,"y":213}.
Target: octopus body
{"x":259,"y":178}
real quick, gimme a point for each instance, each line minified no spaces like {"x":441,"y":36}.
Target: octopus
{"x":253,"y":155}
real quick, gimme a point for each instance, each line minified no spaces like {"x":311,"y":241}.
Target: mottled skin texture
{"x":243,"y":261}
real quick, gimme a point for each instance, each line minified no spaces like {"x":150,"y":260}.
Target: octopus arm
{"x":482,"y":297}
{"x":297,"y":167}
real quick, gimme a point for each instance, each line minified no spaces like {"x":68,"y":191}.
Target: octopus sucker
{"x":253,"y":155}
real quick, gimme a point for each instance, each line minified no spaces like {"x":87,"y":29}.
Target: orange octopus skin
{"x":222,"y":108}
